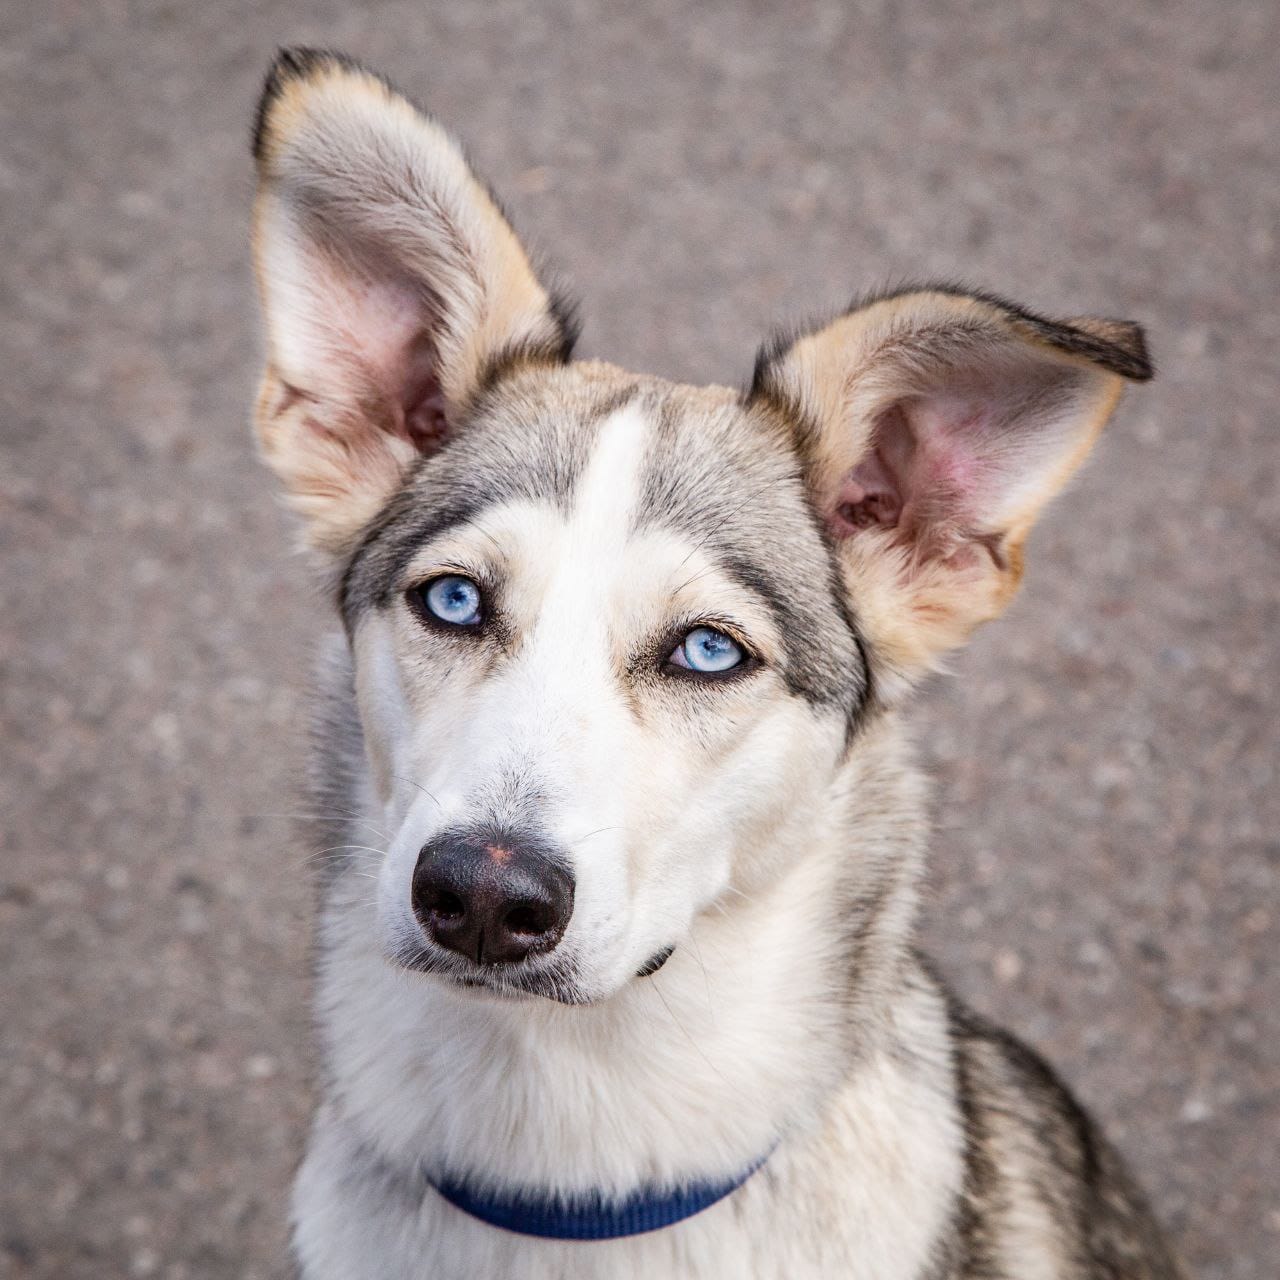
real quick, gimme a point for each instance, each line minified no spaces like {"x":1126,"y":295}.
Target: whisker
{"x":598,"y":831}
{"x":697,"y":1048}
{"x":688,"y":582}
{"x":324,"y":855}
{"x":751,"y":497}
{"x":421,"y":788}
{"x":706,"y":979}
{"x":335,"y":852}
{"x":493,"y":542}
{"x":336,"y":815}
{"x":335,"y":848}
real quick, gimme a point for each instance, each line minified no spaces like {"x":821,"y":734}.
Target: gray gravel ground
{"x":1107,"y":862}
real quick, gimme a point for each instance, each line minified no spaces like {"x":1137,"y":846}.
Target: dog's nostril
{"x":527,"y":918}
{"x":444,"y":905}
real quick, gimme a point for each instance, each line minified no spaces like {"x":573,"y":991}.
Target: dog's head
{"x":614,"y":639}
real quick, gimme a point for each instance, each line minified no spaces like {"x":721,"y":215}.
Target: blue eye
{"x":708,"y":651}
{"x":453,"y":599}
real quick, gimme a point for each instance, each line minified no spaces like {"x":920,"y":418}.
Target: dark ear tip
{"x":1144,"y":367}
{"x":1118,"y":345}
{"x":291,"y":62}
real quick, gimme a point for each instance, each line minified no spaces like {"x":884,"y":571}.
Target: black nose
{"x":492,"y":896}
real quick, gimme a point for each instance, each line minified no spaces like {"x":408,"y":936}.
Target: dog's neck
{"x":695,"y":1071}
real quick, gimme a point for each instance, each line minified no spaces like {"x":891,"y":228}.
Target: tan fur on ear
{"x":937,"y":426}
{"x":337,"y":482}
{"x":390,"y":281}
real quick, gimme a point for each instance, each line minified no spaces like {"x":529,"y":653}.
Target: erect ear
{"x":935,"y":426}
{"x":390,"y":283}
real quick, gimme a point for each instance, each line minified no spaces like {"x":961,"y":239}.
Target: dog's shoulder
{"x":1041,"y":1181}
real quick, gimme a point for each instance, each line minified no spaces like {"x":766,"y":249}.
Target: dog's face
{"x":624,"y":647}
{"x":613,"y":638}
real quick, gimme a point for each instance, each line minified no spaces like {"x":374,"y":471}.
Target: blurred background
{"x":1108,"y":857}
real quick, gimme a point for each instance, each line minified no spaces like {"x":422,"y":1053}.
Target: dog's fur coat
{"x":846,"y":521}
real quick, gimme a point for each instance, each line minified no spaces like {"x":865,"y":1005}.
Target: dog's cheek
{"x":724,"y":790}
{"x":774,"y":786}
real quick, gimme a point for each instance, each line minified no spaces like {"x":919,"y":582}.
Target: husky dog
{"x":617,"y":973}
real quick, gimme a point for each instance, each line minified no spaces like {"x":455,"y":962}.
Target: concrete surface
{"x":1108,"y":859}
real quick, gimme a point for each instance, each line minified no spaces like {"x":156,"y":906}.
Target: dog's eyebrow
{"x":751,"y":577}
{"x":805,"y":672}
{"x":374,"y":569}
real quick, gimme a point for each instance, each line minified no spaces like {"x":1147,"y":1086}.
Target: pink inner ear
{"x":419,"y":412}
{"x":922,"y":477}
{"x":426,"y":425}
{"x":872,"y":493}
{"x":379,"y":352}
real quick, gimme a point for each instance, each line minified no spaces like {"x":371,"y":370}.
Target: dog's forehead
{"x":698,"y":462}
{"x":694,"y":452}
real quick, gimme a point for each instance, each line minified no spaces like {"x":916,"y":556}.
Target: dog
{"x":622,"y":839}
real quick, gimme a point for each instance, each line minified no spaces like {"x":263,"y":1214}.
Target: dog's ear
{"x":935,"y":426}
{"x":390,"y":281}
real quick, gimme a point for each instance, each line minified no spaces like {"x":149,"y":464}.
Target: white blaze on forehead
{"x":606,"y":495}
{"x":565,"y":593}
{"x":570,"y":631}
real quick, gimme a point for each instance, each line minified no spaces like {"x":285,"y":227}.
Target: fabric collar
{"x":590,"y":1216}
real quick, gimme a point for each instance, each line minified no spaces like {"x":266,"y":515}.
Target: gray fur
{"x":735,"y":486}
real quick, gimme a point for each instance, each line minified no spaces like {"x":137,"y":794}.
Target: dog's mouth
{"x":554,"y":980}
{"x":505,"y":989}
{"x":551,"y":978}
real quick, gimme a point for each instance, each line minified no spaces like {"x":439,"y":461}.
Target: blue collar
{"x":590,"y":1216}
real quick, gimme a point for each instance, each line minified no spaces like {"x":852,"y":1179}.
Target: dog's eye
{"x":707,"y":651}
{"x":453,"y":599}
